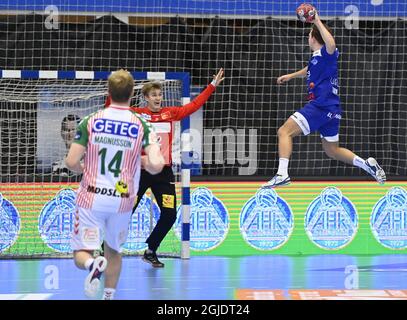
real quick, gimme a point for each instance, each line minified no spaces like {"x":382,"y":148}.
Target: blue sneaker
{"x":375,"y":170}
{"x":277,"y":181}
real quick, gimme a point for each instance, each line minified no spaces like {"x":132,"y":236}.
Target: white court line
{"x":25,"y":296}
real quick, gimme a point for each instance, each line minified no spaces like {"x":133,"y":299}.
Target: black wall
{"x":373,"y":78}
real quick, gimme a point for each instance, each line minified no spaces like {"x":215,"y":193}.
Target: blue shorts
{"x":325,"y":120}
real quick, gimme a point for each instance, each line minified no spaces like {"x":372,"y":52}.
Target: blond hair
{"x":149,"y":87}
{"x":121,"y":86}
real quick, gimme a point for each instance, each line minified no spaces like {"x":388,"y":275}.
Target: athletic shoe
{"x":277,"y":181}
{"x":375,"y":170}
{"x":92,"y":281}
{"x":151,"y":258}
{"x":108,"y":295}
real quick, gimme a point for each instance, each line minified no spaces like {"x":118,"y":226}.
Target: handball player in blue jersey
{"x":322,"y":113}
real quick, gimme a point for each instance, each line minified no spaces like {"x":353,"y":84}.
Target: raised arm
{"x":189,"y":108}
{"x":287,"y":77}
{"x":326,"y":36}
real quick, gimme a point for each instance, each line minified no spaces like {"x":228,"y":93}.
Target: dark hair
{"x":317,"y":35}
{"x":69,"y":117}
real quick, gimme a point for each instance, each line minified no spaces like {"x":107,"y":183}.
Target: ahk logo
{"x":266,"y":220}
{"x":56,"y":221}
{"x":331,"y":220}
{"x":389,"y":219}
{"x":9,"y":223}
{"x":209,"y":220}
{"x":140,"y":224}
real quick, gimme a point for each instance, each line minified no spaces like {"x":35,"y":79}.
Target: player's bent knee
{"x":289,"y":129}
{"x":77,"y":263}
{"x":282,"y":132}
{"x":78,"y":257}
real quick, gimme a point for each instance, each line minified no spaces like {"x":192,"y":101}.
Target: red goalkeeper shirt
{"x":162,"y":120}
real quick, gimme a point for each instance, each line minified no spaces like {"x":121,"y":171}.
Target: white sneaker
{"x":107,"y":295}
{"x":92,"y":281}
{"x":375,"y":170}
{"x":277,"y":181}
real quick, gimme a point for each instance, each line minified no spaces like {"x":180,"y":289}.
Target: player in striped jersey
{"x":322,"y":113}
{"x":111,"y":141}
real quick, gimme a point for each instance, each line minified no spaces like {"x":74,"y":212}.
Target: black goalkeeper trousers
{"x":163,"y":187}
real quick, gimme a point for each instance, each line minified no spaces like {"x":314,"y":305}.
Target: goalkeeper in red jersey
{"x":322,"y":113}
{"x":163,"y":184}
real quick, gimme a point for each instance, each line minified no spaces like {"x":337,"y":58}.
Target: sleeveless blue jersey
{"x":322,"y":78}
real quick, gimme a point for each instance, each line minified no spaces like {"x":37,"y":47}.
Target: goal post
{"x":39,"y":113}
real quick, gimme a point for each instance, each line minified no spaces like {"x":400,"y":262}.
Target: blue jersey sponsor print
{"x":115,"y":127}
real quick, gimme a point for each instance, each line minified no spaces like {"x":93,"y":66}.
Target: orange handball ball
{"x":306,"y":12}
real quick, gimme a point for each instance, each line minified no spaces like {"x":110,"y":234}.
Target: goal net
{"x":38,"y":123}
{"x":256,"y":42}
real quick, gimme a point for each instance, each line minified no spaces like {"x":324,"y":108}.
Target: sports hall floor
{"x":200,"y":278}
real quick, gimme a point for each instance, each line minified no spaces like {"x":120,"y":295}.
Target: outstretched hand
{"x":283,"y":79}
{"x":218,"y":78}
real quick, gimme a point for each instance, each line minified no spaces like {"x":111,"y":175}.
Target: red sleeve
{"x":108,"y":101}
{"x":135,"y":109}
{"x":180,"y":113}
